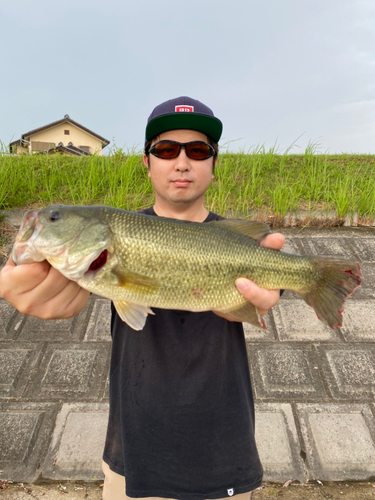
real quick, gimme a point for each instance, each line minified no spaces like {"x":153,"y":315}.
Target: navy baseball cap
{"x":186,"y":113}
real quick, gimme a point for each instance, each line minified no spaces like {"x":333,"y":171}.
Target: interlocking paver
{"x":54,"y":330}
{"x":339,"y":441}
{"x":106,"y":391}
{"x":252,"y":333}
{"x":8,"y":317}
{"x":278,"y":443}
{"x":314,"y":387}
{"x":349,"y":370}
{"x":285,"y":372}
{"x":337,"y":247}
{"x":295,"y":320}
{"x":99,"y":326}
{"x":359,"y":321}
{"x":367,"y":288}
{"x":71,"y":371}
{"x":293,"y":245}
{"x":329,"y":232}
{"x":17,"y":361}
{"x":364,"y":249}
{"x":77,"y":444}
{"x":25,"y":430}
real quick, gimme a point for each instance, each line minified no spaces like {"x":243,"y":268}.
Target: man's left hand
{"x":261,"y":298}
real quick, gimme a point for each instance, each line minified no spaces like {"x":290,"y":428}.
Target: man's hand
{"x":42,"y":291}
{"x":261,"y":298}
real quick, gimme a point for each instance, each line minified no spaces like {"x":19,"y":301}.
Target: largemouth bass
{"x":140,"y":261}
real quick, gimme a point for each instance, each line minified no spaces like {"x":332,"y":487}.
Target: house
{"x":63,"y":136}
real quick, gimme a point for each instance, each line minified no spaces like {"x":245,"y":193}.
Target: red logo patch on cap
{"x":184,"y":109}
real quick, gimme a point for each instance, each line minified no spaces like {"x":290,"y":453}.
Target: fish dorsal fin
{"x":134,"y":315}
{"x":134,"y":282}
{"x":256,"y":230}
{"x":248,"y":313}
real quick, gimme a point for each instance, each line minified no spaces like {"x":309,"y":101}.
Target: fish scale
{"x":174,"y":264}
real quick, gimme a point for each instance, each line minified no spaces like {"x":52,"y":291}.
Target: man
{"x":181,"y":421}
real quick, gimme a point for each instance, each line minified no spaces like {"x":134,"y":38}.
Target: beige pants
{"x":114,"y":487}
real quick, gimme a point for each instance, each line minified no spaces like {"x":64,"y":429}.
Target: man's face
{"x":181,"y":179}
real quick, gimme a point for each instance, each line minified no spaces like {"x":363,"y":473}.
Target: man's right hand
{"x":42,"y":291}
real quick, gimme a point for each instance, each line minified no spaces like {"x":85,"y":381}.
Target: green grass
{"x":259,"y":180}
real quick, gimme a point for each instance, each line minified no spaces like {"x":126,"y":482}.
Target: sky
{"x":278,"y":73}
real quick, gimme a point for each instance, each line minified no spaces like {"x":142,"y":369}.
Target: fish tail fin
{"x":337,"y":281}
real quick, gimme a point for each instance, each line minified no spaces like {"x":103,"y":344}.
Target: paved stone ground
{"x":314,"y":388}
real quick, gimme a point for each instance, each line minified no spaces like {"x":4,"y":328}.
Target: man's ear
{"x":145,"y":160}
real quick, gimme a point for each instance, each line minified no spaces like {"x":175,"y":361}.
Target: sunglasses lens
{"x":166,"y":150}
{"x":194,"y":150}
{"x":198,"y":150}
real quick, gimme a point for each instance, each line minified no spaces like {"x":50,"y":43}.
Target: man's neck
{"x":192,"y":213}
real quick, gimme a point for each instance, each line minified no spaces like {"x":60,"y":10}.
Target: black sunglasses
{"x":196,"y":150}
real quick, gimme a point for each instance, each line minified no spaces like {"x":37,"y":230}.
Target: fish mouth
{"x":27,"y":249}
{"x":23,"y":251}
{"x":67,"y":251}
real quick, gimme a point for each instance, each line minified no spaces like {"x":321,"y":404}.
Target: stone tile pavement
{"x":314,"y":388}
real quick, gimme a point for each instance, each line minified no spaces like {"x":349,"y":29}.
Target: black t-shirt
{"x":181,"y":420}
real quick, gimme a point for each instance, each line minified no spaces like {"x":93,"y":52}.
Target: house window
{"x":66,"y":132}
{"x":41,"y":146}
{"x":86,"y":149}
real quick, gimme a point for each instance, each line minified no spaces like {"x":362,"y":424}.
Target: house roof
{"x":66,"y":119}
{"x":70,"y":149}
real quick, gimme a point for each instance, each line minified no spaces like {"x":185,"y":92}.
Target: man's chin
{"x":183,"y":198}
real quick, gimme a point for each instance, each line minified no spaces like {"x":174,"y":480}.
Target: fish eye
{"x":54,"y":216}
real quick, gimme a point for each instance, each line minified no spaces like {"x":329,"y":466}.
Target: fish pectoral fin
{"x":134,"y":315}
{"x":247,"y":313}
{"x":256,"y":230}
{"x":134,"y":282}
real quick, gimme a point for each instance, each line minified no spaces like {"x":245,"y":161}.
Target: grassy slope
{"x":262,"y":181}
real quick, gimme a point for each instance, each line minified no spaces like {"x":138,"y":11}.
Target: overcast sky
{"x":274,"y":71}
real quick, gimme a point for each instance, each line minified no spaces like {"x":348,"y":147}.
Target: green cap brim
{"x":208,"y":125}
